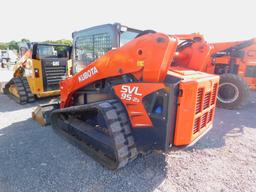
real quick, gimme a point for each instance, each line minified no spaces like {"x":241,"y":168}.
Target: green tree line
{"x":13,"y":45}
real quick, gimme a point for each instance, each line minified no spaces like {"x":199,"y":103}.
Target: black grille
{"x":53,"y":71}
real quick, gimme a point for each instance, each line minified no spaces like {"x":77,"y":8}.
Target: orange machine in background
{"x":235,"y":62}
{"x":237,"y":57}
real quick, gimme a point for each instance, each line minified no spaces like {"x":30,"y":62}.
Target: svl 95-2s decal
{"x":129,"y":93}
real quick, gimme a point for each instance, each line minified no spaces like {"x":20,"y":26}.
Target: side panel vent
{"x":199,"y":100}
{"x":207,"y":98}
{"x":214,"y":94}
{"x":196,"y":125}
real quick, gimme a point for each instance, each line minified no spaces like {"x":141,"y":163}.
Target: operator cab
{"x":90,"y":44}
{"x":44,"y":51}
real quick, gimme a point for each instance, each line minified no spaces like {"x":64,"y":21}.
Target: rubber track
{"x":30,"y":96}
{"x":23,"y":90}
{"x":124,"y":121}
{"x":119,"y":131}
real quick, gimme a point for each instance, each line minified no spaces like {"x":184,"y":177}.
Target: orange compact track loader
{"x":129,"y":100}
{"x":235,"y":62}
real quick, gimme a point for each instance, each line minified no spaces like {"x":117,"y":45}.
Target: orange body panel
{"x":131,"y":96}
{"x":147,"y":58}
{"x":197,"y":56}
{"x":196,"y":104}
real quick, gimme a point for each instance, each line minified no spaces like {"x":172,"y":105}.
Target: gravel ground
{"x":35,"y":159}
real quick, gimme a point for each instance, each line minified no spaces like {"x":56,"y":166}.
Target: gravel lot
{"x":35,"y":159}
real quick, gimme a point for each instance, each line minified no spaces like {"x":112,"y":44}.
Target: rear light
{"x":36,"y":71}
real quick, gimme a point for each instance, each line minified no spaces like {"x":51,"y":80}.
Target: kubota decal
{"x":88,"y":74}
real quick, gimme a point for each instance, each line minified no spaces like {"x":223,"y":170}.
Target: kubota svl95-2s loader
{"x":130,"y":101}
{"x":38,"y":72}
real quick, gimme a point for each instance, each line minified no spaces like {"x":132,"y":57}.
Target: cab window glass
{"x":89,"y":48}
{"x":52,"y":51}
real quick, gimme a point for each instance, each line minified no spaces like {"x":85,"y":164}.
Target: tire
{"x":233,"y":92}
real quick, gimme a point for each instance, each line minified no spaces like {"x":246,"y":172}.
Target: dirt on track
{"x":36,"y":159}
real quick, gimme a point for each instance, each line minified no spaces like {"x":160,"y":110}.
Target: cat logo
{"x":55,"y":63}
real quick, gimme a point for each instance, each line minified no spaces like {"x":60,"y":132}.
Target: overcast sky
{"x":37,"y":20}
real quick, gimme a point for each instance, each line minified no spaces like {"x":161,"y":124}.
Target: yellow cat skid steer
{"x":38,"y":72}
